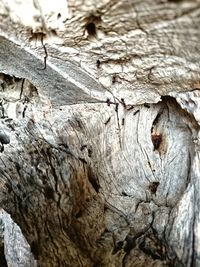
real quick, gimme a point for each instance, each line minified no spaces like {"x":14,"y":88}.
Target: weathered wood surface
{"x":103,"y":164}
{"x":16,"y":251}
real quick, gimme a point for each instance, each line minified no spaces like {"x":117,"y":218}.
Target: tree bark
{"x":100,"y":116}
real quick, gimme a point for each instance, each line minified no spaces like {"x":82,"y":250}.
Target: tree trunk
{"x":100,"y":116}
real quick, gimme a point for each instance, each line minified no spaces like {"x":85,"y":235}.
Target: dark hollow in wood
{"x":156,"y":140}
{"x":91,"y":28}
{"x":153,"y":187}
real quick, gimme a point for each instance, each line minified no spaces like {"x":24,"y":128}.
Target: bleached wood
{"x":103,"y":164}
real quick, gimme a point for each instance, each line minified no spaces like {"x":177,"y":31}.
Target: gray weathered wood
{"x":102,"y":168}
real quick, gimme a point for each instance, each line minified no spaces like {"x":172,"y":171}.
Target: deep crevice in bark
{"x":3,"y":261}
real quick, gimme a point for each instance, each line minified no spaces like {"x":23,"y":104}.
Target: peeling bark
{"x":100,"y":103}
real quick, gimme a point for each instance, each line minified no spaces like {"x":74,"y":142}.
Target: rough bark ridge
{"x":101,"y":104}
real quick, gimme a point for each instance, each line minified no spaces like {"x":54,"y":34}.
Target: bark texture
{"x":100,"y":103}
